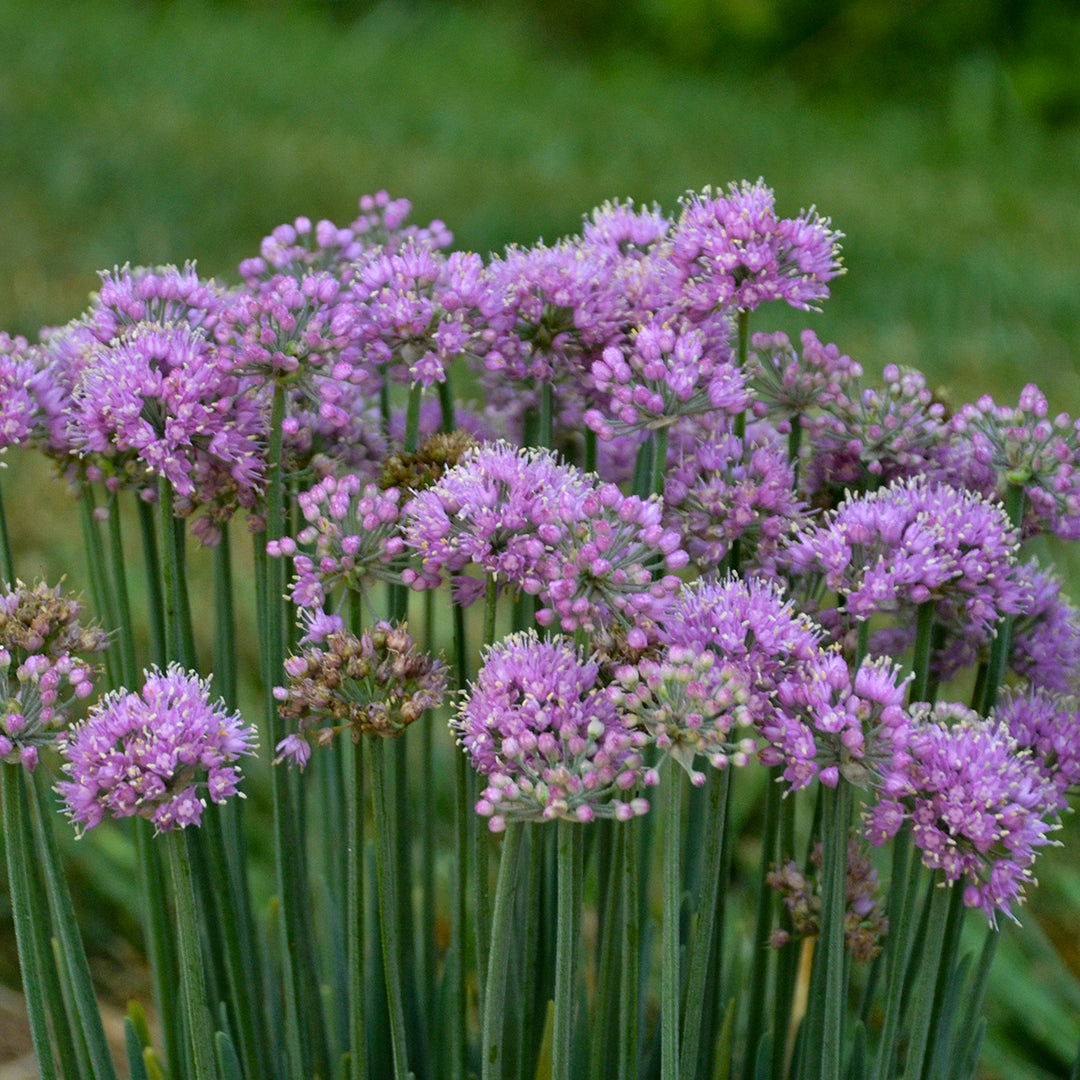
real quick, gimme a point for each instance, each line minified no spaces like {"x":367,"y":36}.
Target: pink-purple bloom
{"x":911,"y":543}
{"x":154,"y":754}
{"x":1049,"y":724}
{"x":732,"y":251}
{"x":980,"y":808}
{"x":585,"y":549}
{"x":547,"y":739}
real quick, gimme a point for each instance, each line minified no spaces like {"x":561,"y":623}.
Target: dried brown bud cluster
{"x":417,"y":471}
{"x":865,"y":924}
{"x":42,"y":620}
{"x":375,"y":684}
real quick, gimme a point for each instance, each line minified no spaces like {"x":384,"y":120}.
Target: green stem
{"x":27,"y":914}
{"x":192,"y":976}
{"x":659,"y":462}
{"x":225,"y":619}
{"x":759,"y":967}
{"x":97,"y":569}
{"x":546,"y":420}
{"x":7,"y":561}
{"x":412,"y":419}
{"x":837,"y":818}
{"x":565,"y":949}
{"x":1015,"y":503}
{"x":287,"y":845}
{"x":42,"y":813}
{"x":924,"y":637}
{"x":152,"y":580}
{"x":160,"y":945}
{"x":672,"y":896}
{"x":499,"y":959}
{"x":714,"y":841}
{"x":923,"y":990}
{"x":742,"y":327}
{"x":179,"y":637}
{"x":354,"y":930}
{"x":128,"y":665}
{"x":388,"y":901}
{"x":631,"y":952}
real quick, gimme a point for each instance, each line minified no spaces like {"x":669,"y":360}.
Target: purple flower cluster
{"x":584,"y":548}
{"x":911,"y":543}
{"x":732,"y":251}
{"x":867,"y":436}
{"x":42,"y":642}
{"x":663,"y":374}
{"x":1048,"y":723}
{"x":980,"y":808}
{"x":547,"y":738}
{"x":351,"y":535}
{"x":724,"y":489}
{"x":153,"y":753}
{"x":156,"y":394}
{"x":19,"y":407}
{"x":1026,"y":447}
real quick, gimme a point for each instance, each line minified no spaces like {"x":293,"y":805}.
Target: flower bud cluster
{"x":691,"y":703}
{"x":352,"y":535}
{"x":865,"y":922}
{"x":547,"y":738}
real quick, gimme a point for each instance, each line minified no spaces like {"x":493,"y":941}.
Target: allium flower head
{"x":583,"y":547}
{"x":980,"y":808}
{"x":1045,"y":639}
{"x":866,"y":436}
{"x":153,"y":754}
{"x":43,"y":643}
{"x":663,"y":373}
{"x":789,"y":384}
{"x":156,"y":395}
{"x":1048,"y":723}
{"x":692,"y":704}
{"x":733,"y":251}
{"x":164,"y":296}
{"x":910,"y":543}
{"x":19,"y":408}
{"x":766,"y":643}
{"x":724,"y":489}
{"x":351,"y":535}
{"x":547,"y":738}
{"x":1025,"y":446}
{"x":376,"y":684}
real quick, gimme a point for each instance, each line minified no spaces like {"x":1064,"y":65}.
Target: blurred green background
{"x":942,"y":137}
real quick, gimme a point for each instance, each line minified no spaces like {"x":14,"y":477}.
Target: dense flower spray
{"x":153,"y":754}
{"x":547,"y":739}
{"x":980,"y":809}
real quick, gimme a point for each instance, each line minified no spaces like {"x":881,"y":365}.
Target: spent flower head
{"x":44,"y":666}
{"x":376,"y":684}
